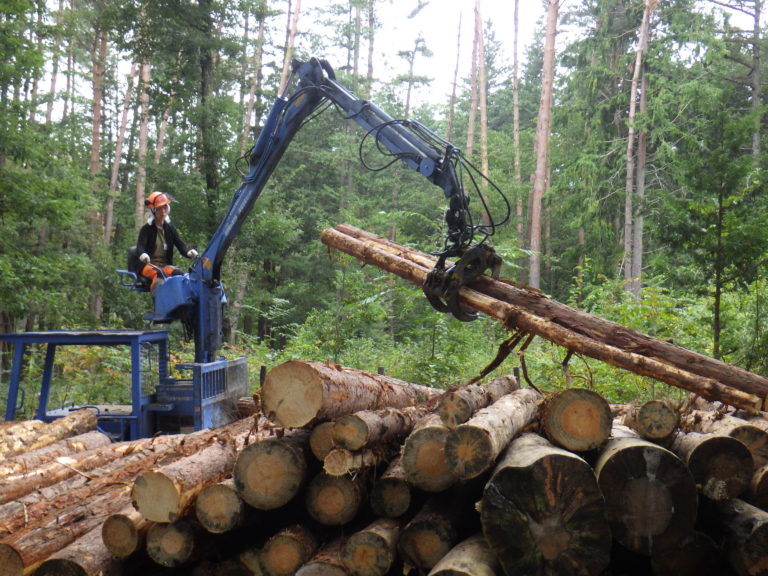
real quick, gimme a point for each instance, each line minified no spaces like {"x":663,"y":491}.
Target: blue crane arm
{"x":197,"y":298}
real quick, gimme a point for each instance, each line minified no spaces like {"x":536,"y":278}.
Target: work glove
{"x":144,"y":258}
{"x":192,"y":253}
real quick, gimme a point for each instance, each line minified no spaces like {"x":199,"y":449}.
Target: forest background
{"x":629,"y":148}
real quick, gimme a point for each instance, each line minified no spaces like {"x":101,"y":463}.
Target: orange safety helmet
{"x":157,"y":199}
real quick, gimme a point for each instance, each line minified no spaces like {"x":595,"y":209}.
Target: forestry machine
{"x":197,"y":298}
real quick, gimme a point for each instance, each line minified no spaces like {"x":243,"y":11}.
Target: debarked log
{"x":519,"y":317}
{"x":753,"y":437}
{"x":542,"y":511}
{"x":86,"y":556}
{"x":297,"y":393}
{"x":472,"y":447}
{"x":458,"y":405}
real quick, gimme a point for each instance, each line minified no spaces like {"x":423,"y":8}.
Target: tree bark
{"x":269,"y":473}
{"x":543,"y":513}
{"x":515,"y":317}
{"x":285,"y":552}
{"x":457,"y":406}
{"x":721,"y":465}
{"x":20,"y":439}
{"x":576,"y":419}
{"x":472,"y":448}
{"x":424,"y":461}
{"x":413,"y":266}
{"x":340,"y":461}
{"x":373,"y":550}
{"x":297,"y":393}
{"x":28,"y":461}
{"x":649,"y":492}
{"x":655,"y":420}
{"x":86,"y":556}
{"x":372,"y":427}
{"x":470,"y":557}
{"x":334,"y":500}
{"x":542,"y":143}
{"x":163,"y":495}
{"x":124,"y":533}
{"x":28,"y":547}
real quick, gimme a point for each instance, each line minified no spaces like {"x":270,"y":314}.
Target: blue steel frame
{"x":139,"y":426}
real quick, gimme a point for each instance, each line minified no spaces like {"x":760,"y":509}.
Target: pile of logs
{"x":344,"y":472}
{"x":339,"y":472}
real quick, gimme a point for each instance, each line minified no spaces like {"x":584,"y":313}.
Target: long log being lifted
{"x":532,"y":312}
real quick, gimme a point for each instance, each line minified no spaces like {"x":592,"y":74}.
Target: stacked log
{"x":528,"y":483}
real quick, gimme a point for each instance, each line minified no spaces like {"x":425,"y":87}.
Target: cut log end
{"x":350,"y":432}
{"x":283,"y":384}
{"x":367,"y":554}
{"x":469,"y":452}
{"x":11,"y":563}
{"x":454,"y":409}
{"x":577,"y":419}
{"x":121,"y":536}
{"x":170,"y":545}
{"x":219,"y":509}
{"x":390,"y":497}
{"x":333,"y":500}
{"x":156,"y":497}
{"x":268,"y":474}
{"x":424,"y":459}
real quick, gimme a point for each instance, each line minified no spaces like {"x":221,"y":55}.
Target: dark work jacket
{"x":148,"y":236}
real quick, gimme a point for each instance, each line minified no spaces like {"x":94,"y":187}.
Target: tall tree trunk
{"x":109,"y":210}
{"x":542,"y":144}
{"x":290,"y":40}
{"x":483,"y":100}
{"x":629,"y":186}
{"x":55,"y":54}
{"x":518,"y":178}
{"x":473,"y":95}
{"x":98,"y":58}
{"x":207,"y":129}
{"x":141,"y":161}
{"x":454,"y":84}
{"x":636,"y":283}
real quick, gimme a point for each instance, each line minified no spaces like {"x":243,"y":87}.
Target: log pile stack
{"x":484,"y":479}
{"x":347,"y":473}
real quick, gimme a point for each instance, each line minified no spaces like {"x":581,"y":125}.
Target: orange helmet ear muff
{"x":157,"y":199}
